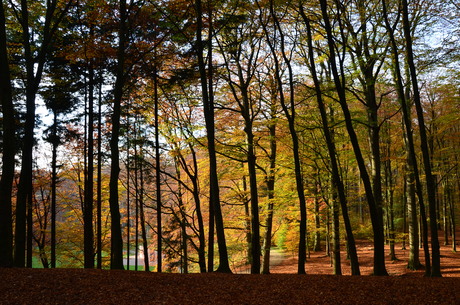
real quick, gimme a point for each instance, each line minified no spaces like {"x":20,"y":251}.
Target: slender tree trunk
{"x":142,"y":214}
{"x":89,"y":181}
{"x":317,"y":241}
{"x":404,"y":198}
{"x":8,"y":151}
{"x":128,"y":195}
{"x":247,"y":218}
{"x":379,"y":254}
{"x":196,"y":196}
{"x":336,"y":260}
{"x":430,"y":181}
{"x":116,"y":256}
{"x":290,"y":113}
{"x":255,"y":229}
{"x":99,"y":184}
{"x":25,"y":179}
{"x":157,"y":172}
{"x":270,"y":181}
{"x":412,"y":167}
{"x":55,"y":143}
{"x":208,"y":103}
{"x":337,"y":181}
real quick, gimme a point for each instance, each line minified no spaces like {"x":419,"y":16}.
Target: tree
{"x":337,"y":181}
{"x":116,"y":255}
{"x":208,"y":106}
{"x":240,"y":48}
{"x":8,"y":150}
{"x":289,"y":109}
{"x":430,"y":182}
{"x":377,"y":225}
{"x":34,"y":65}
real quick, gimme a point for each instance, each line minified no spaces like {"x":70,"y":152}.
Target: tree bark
{"x":8,"y":151}
{"x":116,"y":255}
{"x":208,"y":105}
{"x":89,"y":181}
{"x":430,"y":181}
{"x":337,"y":181}
{"x":377,"y":226}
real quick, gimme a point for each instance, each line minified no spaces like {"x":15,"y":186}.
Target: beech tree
{"x":8,"y":149}
{"x":206,"y":80}
{"x":377,"y":225}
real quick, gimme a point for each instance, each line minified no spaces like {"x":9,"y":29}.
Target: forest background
{"x":210,"y":132}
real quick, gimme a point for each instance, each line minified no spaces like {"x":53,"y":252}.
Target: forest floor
{"x":283,"y":286}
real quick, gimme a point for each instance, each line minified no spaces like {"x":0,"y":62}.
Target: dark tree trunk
{"x":208,"y":105}
{"x":53,"y":193}
{"x":413,"y":171}
{"x":336,"y":260}
{"x":199,"y":215}
{"x":116,"y":255}
{"x":247,"y":218}
{"x":157,"y":173}
{"x":337,"y":181}
{"x":270,"y":181}
{"x":142,"y":215}
{"x":99,"y":184}
{"x":89,"y":181}
{"x":430,"y":181}
{"x":377,"y":226}
{"x":255,"y":230}
{"x":290,"y":113}
{"x":8,"y":151}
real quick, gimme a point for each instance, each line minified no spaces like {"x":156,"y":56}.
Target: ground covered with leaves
{"x":283,"y":286}
{"x":79,"y":286}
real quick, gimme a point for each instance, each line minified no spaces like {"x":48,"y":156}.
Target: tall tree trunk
{"x":412,"y":166}
{"x":116,"y":255}
{"x":290,"y":113}
{"x":208,"y":103}
{"x":157,"y":172}
{"x":430,"y":181}
{"x":53,"y":191}
{"x":336,"y":178}
{"x":128,"y":195}
{"x":89,"y":181}
{"x":25,"y":178}
{"x":377,"y":226}
{"x":8,"y":151}
{"x":99,"y":184}
{"x":255,"y":229}
{"x":142,"y":214}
